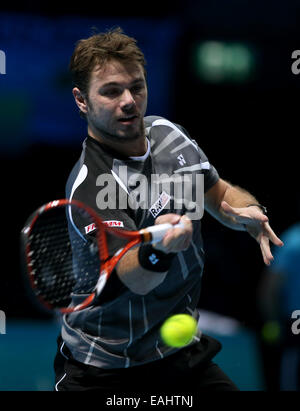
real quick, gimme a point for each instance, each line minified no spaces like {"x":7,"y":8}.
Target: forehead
{"x":115,"y":71}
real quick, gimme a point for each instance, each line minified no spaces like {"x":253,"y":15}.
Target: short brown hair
{"x":99,"y":49}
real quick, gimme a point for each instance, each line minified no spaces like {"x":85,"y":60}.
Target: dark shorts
{"x":189,"y":370}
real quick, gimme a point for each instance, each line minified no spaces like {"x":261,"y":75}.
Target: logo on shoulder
{"x":181,"y":160}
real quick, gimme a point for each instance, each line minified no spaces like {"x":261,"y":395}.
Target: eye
{"x":111,"y":92}
{"x":137,"y":88}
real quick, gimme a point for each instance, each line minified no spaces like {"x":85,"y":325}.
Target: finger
{"x":253,"y":214}
{"x":168,"y":218}
{"x":189,"y":231}
{"x":272,"y":236}
{"x":228,"y":209}
{"x":265,"y":258}
{"x":185,"y":226}
{"x":259,"y":216}
{"x":244,"y":215}
{"x":178,"y":239}
{"x":264,"y":255}
{"x":266,"y":251}
{"x":172,"y":245}
{"x":187,"y":223}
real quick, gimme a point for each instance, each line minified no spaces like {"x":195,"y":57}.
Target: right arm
{"x":142,"y":281}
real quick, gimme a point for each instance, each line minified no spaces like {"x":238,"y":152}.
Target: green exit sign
{"x":221,"y":62}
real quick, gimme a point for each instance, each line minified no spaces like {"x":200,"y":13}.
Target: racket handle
{"x":158,"y":231}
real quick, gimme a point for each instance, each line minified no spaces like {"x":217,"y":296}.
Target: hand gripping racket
{"x":65,"y":246}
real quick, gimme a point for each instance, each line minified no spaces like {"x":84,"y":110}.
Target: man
{"x":115,"y":345}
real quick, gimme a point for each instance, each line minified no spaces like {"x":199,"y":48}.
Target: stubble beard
{"x":106,"y":134}
{"x":124,"y":138}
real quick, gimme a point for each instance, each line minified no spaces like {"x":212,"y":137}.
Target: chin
{"x":129,"y":137}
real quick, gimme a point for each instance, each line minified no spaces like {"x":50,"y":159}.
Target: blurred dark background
{"x":221,"y":69}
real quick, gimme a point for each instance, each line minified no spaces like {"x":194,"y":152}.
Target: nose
{"x":127,"y":100}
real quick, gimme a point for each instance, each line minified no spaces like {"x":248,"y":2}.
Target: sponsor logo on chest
{"x":159,"y":204}
{"x":110,"y":223}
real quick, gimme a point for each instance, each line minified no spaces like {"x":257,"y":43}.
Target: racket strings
{"x":61,"y":259}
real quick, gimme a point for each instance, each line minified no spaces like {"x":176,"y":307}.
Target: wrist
{"x":262,"y":208}
{"x":153,"y":259}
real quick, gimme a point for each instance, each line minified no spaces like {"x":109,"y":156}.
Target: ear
{"x":80,"y":100}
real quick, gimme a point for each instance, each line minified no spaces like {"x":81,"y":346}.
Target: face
{"x":117,"y":102}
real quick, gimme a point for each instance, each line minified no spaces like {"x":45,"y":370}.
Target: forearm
{"x":233,"y":195}
{"x":236,"y":197}
{"x":230,"y":205}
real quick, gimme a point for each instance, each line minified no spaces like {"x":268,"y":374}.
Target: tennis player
{"x":115,"y":345}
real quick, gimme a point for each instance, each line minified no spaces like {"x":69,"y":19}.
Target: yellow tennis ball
{"x":178,"y":330}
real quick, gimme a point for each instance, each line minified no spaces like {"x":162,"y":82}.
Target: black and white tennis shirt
{"x":122,"y":330}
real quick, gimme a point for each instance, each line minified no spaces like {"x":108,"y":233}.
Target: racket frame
{"x":134,"y":237}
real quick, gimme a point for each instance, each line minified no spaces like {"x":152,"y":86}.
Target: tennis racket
{"x":65,"y":246}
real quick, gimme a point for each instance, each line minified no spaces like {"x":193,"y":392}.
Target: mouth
{"x":127,"y":120}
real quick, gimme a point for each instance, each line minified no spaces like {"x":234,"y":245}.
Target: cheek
{"x":143,"y":102}
{"x":100,"y":111}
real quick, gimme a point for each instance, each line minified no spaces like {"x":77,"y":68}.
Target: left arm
{"x":229,"y":205}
